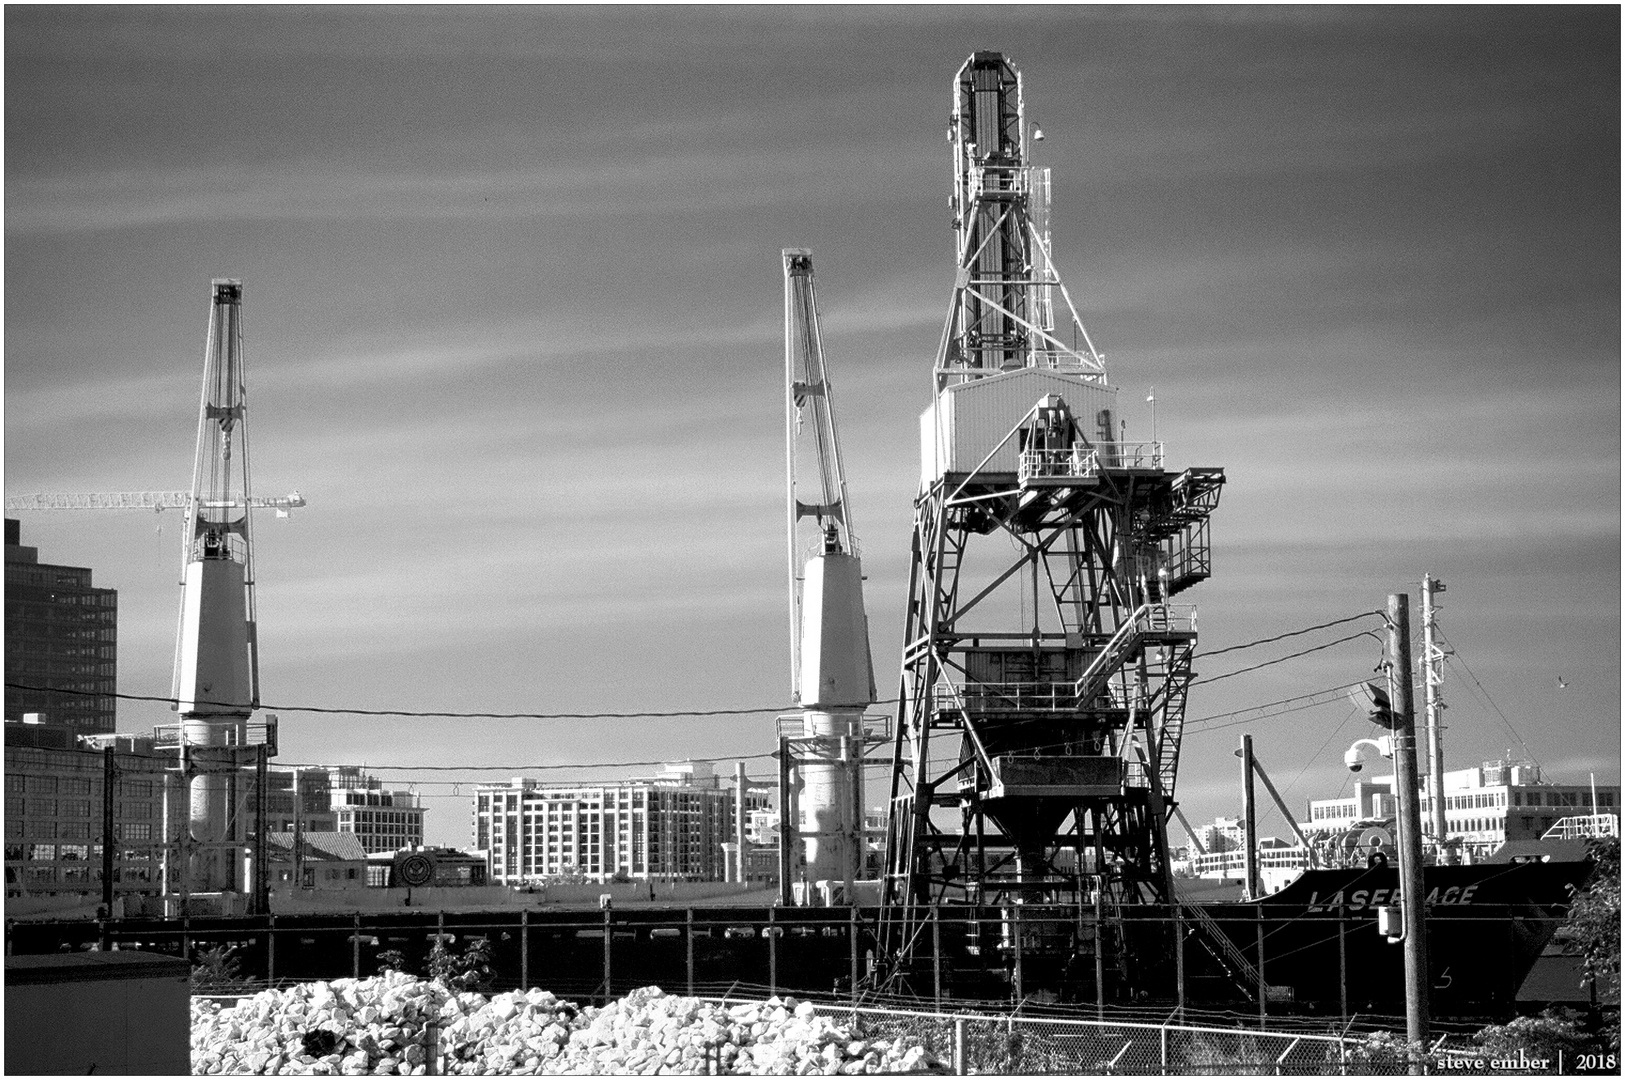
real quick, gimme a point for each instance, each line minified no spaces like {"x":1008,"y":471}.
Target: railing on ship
{"x":1232,"y":863}
{"x":1582,"y":826}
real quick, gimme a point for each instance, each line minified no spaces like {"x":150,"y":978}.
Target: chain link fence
{"x":1008,"y":1045}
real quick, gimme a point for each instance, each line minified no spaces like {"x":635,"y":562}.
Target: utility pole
{"x":1249,"y":819}
{"x":1410,"y":825}
{"x":1432,"y":681}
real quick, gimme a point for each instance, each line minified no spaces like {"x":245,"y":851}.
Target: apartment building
{"x":668,"y":828}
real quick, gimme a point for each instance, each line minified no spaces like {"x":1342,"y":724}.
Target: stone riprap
{"x":390,"y":1024}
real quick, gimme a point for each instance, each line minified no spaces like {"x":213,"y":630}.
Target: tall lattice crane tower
{"x":821,"y":747}
{"x":1044,"y":669}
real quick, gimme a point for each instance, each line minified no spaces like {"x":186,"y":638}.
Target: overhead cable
{"x":1290,"y":633}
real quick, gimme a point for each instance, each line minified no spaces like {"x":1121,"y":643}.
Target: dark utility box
{"x":98,"y":1012}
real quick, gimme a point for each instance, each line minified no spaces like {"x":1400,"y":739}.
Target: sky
{"x":513,"y":325}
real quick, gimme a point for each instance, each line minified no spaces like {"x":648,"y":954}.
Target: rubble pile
{"x":393,"y":1023}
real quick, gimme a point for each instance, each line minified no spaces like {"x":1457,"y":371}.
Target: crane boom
{"x":808,"y":397}
{"x":142,"y":500}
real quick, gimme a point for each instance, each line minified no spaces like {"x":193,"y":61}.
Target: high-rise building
{"x":61,"y":635}
{"x":669,"y":828}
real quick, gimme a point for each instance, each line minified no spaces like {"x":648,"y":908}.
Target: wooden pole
{"x":689,"y":939}
{"x":1249,"y":819}
{"x":524,"y":950}
{"x":1432,"y":676}
{"x":1410,"y":825}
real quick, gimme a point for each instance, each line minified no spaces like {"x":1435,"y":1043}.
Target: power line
{"x":1284,"y":659}
{"x":1292,"y":633}
{"x":651,"y":714}
{"x":1454,"y":656}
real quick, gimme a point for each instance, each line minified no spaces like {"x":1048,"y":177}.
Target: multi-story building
{"x":1484,"y":807}
{"x":55,"y":810}
{"x":669,"y":828}
{"x":384,"y":820}
{"x":61,"y":635}
{"x":315,"y":812}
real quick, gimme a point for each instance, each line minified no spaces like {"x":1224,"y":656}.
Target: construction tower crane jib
{"x":1044,"y":668}
{"x":832,"y":676}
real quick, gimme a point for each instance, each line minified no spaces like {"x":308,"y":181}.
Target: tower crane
{"x":831,"y":673}
{"x":141,"y":500}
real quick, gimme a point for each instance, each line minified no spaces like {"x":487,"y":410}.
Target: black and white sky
{"x":513,"y":310}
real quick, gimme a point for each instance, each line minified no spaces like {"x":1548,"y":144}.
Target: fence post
{"x":609,"y":938}
{"x":355,"y":948}
{"x":270,"y":950}
{"x":1179,"y":957}
{"x":772,"y":955}
{"x":431,"y":1048}
{"x":1263,"y":983}
{"x":1165,"y":1048}
{"x":959,"y":1046}
{"x":689,"y":938}
{"x":1342,"y":962}
{"x":524,"y":949}
{"x":936,"y":952}
{"x":852,"y":943}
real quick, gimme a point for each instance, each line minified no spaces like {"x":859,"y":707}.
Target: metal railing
{"x":987,"y":697}
{"x":1069,"y":463}
{"x":1581,"y":826}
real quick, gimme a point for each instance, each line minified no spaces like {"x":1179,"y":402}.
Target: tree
{"x":1593,"y":924}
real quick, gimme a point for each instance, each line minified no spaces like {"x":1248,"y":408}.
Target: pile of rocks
{"x":393,"y":1024}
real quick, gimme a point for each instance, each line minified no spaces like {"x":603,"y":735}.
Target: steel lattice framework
{"x":1044,"y":670}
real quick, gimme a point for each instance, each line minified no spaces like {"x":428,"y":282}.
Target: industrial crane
{"x":216,"y":673}
{"x":140,"y":500}
{"x":216,"y":680}
{"x":831,"y":674}
{"x":1044,"y":673}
